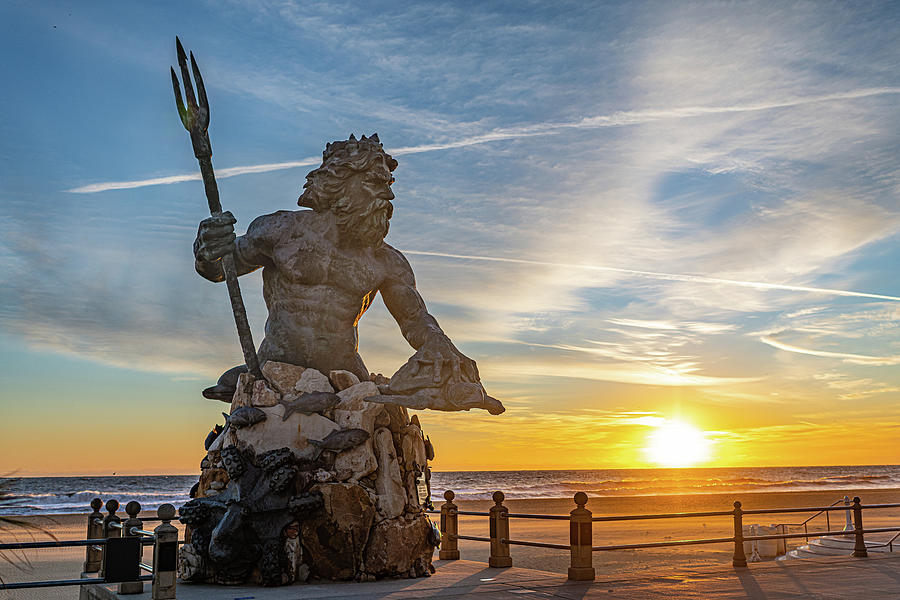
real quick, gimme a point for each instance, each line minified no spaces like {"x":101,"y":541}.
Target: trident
{"x":196,"y":120}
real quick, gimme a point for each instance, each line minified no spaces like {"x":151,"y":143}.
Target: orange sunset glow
{"x":666,"y":241}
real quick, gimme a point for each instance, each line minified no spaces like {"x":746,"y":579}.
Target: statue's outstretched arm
{"x":408,"y":308}
{"x":438,"y":375}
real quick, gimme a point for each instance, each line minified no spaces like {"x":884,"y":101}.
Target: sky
{"x":632,"y":215}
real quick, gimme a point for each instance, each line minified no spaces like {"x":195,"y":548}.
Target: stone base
{"x":305,"y":483}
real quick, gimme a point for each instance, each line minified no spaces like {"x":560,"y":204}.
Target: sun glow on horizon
{"x":677,"y":444}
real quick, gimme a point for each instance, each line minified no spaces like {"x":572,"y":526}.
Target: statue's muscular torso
{"x":316,"y":289}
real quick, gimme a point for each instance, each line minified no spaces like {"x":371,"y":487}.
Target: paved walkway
{"x":873,"y":578}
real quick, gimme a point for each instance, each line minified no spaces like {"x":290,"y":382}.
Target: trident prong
{"x":194,"y":115}
{"x":201,"y":94}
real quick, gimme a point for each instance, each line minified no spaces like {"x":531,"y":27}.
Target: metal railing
{"x":114,"y":550}
{"x":804,"y":524}
{"x":889,"y":544}
{"x":581,"y":521}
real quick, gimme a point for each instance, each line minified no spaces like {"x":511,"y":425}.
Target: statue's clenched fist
{"x":215,"y":238}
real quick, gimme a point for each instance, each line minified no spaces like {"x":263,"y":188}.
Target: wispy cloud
{"x":859,"y":359}
{"x":616,"y":119}
{"x":664,"y":276}
{"x":636,"y":372}
{"x":709,"y":328}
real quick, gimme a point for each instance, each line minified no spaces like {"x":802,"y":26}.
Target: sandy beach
{"x":48,"y":564}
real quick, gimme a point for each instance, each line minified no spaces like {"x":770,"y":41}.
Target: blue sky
{"x":590,"y":195}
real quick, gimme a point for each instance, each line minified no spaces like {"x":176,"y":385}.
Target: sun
{"x":677,"y":444}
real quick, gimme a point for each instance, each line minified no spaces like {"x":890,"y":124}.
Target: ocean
{"x":54,"y":495}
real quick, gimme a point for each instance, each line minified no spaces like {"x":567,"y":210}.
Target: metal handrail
{"x":889,"y":543}
{"x":144,"y":566}
{"x":534,"y":544}
{"x":718,"y":513}
{"x":95,"y":543}
{"x":56,"y":544}
{"x":470,"y":537}
{"x":843,"y":500}
{"x":60,"y":583}
{"x":663,"y":544}
{"x":749,"y":538}
{"x":530,"y":516}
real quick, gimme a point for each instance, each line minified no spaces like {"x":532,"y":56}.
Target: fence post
{"x":133,"y":509}
{"x":581,"y":539}
{"x":847,"y":515}
{"x":740,"y":559}
{"x":112,"y":506}
{"x":165,"y":554}
{"x":499,"y":533}
{"x":449,"y":529}
{"x":93,"y":558}
{"x":859,"y":548}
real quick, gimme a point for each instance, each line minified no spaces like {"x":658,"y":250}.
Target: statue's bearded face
{"x":363,"y":215}
{"x":354,"y":184}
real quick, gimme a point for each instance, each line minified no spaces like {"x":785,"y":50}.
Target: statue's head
{"x":354,"y":183}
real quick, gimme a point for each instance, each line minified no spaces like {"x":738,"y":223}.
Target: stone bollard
{"x":93,"y":558}
{"x":133,"y":509}
{"x":499,"y":533}
{"x":581,"y":539}
{"x":859,"y":547}
{"x":165,"y":552}
{"x":739,"y":559}
{"x":109,"y":532}
{"x":449,"y":529}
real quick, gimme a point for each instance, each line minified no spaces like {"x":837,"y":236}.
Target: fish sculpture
{"x":341,"y":439}
{"x":308,"y":403}
{"x":244,"y":417}
{"x":227,"y":384}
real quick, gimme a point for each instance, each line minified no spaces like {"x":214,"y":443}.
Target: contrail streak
{"x":860,"y":359}
{"x":664,"y":276}
{"x":617,"y":119}
{"x":220,"y":174}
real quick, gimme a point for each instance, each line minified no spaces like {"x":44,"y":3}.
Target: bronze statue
{"x":306,"y":442}
{"x":322,"y":269}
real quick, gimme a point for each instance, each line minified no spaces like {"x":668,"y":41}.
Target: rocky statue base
{"x":308,"y":479}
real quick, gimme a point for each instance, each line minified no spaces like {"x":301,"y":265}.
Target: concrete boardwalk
{"x":827,"y":578}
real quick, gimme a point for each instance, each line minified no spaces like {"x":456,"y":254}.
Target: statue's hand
{"x":439,"y":377}
{"x":215,"y":238}
{"x":447,"y":364}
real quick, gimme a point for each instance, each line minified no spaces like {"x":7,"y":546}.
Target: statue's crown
{"x":346,"y":149}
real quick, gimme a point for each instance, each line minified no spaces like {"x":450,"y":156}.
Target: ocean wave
{"x":658,"y":482}
{"x":83,"y":494}
{"x":47,"y":495}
